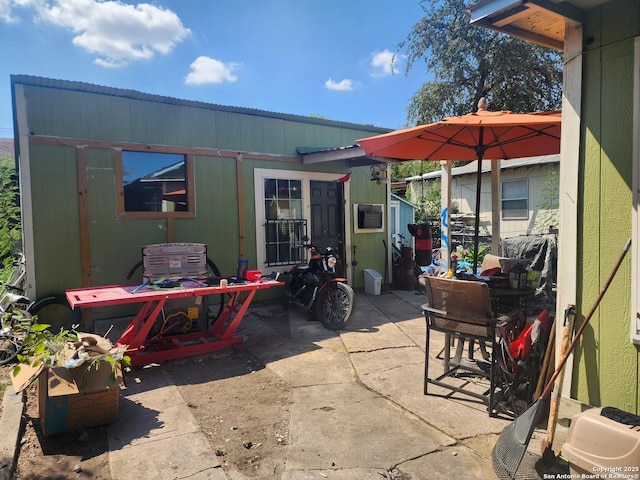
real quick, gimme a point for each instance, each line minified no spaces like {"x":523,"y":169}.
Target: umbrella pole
{"x":480,"y":150}
{"x":477,"y":219}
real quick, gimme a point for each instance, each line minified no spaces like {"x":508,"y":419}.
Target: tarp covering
{"x":542,"y":253}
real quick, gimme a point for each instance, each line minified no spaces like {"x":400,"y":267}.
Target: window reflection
{"x":154,"y":182}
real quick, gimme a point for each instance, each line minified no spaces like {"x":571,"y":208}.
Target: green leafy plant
{"x":42,"y":346}
{"x":10,"y":220}
{"x":17,"y":319}
{"x":466,"y":254}
{"x":547,"y":215}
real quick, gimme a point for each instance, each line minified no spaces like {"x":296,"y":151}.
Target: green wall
{"x":370,"y":249}
{"x":606,"y":362}
{"x":55,"y":217}
{"x":73,"y":113}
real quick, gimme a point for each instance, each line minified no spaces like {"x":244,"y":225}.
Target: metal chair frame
{"x":463,"y":310}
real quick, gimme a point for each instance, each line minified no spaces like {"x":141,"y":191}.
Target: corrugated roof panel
{"x":472,"y":167}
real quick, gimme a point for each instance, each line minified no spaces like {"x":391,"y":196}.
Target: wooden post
{"x":445,"y":216}
{"x":241,"y":218}
{"x":495,"y":207}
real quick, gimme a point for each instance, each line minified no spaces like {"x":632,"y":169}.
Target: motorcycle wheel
{"x":335,"y":305}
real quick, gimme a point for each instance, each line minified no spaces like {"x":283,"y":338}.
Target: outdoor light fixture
{"x":518,"y":277}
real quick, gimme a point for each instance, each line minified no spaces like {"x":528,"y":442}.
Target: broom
{"x":514,"y":439}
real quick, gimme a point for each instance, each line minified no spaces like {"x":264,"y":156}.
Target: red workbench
{"x":144,"y":350}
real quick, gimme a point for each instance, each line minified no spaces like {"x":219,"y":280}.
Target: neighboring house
{"x":522,"y":196}
{"x":105,"y":171}
{"x":599,"y":180}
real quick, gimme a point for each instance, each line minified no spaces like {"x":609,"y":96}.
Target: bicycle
{"x":18,"y":312}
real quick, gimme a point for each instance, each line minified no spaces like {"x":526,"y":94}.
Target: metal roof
{"x":353,"y":153}
{"x":472,"y":167}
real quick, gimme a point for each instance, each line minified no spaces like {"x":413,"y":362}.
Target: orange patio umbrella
{"x":483,"y":135}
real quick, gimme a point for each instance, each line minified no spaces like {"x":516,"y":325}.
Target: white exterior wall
{"x":463,"y":197}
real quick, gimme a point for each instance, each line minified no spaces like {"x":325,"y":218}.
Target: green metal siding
{"x":55,"y":217}
{"x":216,"y":222}
{"x":73,"y":114}
{"x":606,"y":363}
{"x":370,"y":251}
{"x":114,"y":243}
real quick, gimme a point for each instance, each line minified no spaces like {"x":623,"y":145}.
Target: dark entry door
{"x":327,"y":216}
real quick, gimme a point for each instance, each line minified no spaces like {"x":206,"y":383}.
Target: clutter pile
{"x":79,"y":378}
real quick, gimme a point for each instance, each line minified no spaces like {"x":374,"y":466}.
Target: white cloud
{"x":7,"y":10}
{"x":342,"y":86}
{"x":384,"y":63}
{"x":209,"y":70}
{"x":117,"y":33}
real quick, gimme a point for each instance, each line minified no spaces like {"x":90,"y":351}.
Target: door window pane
{"x":283,"y":199}
{"x":284,"y":228}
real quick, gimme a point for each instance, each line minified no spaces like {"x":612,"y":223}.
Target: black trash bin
{"x":424,"y":245}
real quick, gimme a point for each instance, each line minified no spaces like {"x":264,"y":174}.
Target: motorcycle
{"x":317,"y":288}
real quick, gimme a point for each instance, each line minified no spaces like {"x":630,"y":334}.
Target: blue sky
{"x":330,"y":58}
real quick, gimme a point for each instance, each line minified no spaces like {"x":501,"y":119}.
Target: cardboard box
{"x":71,"y":399}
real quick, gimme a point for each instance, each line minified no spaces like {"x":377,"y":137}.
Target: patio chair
{"x":462,"y":310}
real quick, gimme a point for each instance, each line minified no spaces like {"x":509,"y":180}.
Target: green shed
{"x":106,"y":171}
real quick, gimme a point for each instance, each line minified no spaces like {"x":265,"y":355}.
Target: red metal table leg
{"x":134,"y":325}
{"x":136,"y":333}
{"x":231,"y":317}
{"x":218,"y":337}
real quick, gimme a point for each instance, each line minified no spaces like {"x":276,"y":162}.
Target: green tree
{"x":10,"y":226}
{"x":469,"y":62}
{"x":547,"y":208}
{"x":427,"y":200}
{"x":412,"y":169}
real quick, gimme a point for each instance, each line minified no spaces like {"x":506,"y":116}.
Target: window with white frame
{"x":515,"y":199}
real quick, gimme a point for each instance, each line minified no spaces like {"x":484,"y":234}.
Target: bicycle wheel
{"x":54,"y":310}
